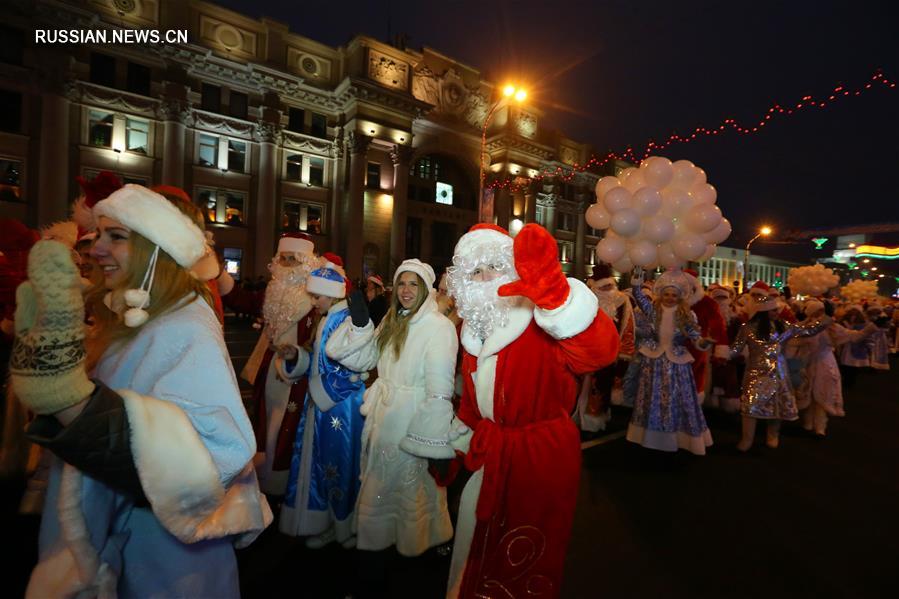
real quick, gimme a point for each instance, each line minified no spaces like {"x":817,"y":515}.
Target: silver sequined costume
{"x":767,"y":392}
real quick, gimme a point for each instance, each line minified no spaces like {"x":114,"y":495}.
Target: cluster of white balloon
{"x":812,"y":280}
{"x":856,"y":291}
{"x":661,"y":214}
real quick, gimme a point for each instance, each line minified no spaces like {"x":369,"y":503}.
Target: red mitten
{"x":541,"y":279}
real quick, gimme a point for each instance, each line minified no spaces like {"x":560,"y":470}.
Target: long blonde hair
{"x":683,"y":315}
{"x":395,"y":327}
{"x":171,"y":283}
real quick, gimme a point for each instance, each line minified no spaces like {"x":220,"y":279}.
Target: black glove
{"x":358,"y":309}
{"x":828,"y":308}
{"x":441,"y":466}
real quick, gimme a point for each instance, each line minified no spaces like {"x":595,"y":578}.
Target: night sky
{"x":615,"y":73}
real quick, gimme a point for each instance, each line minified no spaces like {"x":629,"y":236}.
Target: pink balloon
{"x":617,"y":198}
{"x":720,"y":233}
{"x":623,"y":265}
{"x":688,"y":246}
{"x":675,"y":201}
{"x":666,"y":256}
{"x":658,"y":228}
{"x":610,"y":249}
{"x":708,"y":253}
{"x":657,"y":171}
{"x":634,"y":181}
{"x":646,"y":201}
{"x":685,"y":174}
{"x":703,"y":218}
{"x":598,"y":217}
{"x":704,"y":193}
{"x":626,"y":222}
{"x":642,"y":253}
{"x":604,"y":185}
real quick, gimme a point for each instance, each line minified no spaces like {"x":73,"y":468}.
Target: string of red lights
{"x":652,"y":147}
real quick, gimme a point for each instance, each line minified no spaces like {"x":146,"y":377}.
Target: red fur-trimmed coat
{"x":711,"y":324}
{"x":519,"y":389}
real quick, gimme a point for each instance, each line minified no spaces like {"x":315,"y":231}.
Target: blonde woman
{"x":408,"y":414}
{"x":152,"y":483}
{"x":667,"y":415}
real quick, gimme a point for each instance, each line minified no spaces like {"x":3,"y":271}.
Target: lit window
{"x":237,"y":155}
{"x":373,"y":176}
{"x":136,"y":136}
{"x":209,"y":150}
{"x":10,"y":180}
{"x":294,"y":171}
{"x":302,"y":216}
{"x":100,"y":128}
{"x":222,"y":206}
{"x":234,"y":208}
{"x":316,"y":171}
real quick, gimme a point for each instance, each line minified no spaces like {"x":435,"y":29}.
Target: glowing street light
{"x":763,"y":232}
{"x":509,"y":92}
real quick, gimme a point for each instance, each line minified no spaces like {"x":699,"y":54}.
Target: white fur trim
{"x":468,"y":242}
{"x":520,"y":317}
{"x":181,"y":481}
{"x":319,"y":395}
{"x":427,"y":435}
{"x":571,"y":318}
{"x":299,"y":368}
{"x":320,"y":286}
{"x":295,"y":244}
{"x":465,"y":527}
{"x":157,"y":219}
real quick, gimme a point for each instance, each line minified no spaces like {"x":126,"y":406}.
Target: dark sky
{"x":614,"y":73}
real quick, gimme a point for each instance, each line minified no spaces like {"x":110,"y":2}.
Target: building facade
{"x":727,"y":266}
{"x":372,"y":149}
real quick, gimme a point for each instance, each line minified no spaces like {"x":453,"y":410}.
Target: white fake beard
{"x":725,"y":310}
{"x":609,"y":301}
{"x":284,"y":297}
{"x":482,"y":309}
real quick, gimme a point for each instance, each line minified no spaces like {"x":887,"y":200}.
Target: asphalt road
{"x":816,"y":517}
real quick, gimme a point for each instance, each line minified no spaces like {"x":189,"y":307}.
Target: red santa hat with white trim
{"x":763,"y":299}
{"x":296,"y":242}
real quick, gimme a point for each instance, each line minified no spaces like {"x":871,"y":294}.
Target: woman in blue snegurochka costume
{"x":667,"y":415}
{"x":323,"y":483}
{"x":642,"y":332}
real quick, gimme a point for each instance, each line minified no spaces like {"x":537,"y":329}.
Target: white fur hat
{"x":296,"y":242}
{"x":418,"y":267}
{"x":482,"y":234}
{"x":157,"y":219}
{"x":677,"y":279}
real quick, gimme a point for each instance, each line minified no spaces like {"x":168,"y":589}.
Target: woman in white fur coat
{"x":152,"y":483}
{"x":408,"y":414}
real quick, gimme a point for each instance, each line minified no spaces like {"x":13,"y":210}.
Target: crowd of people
{"x":368,"y":401}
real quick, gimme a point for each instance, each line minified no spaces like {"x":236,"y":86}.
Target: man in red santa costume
{"x":527,"y":333}
{"x":279,"y":387}
{"x":711,"y":325}
{"x":725,"y":376}
{"x":594,"y":403}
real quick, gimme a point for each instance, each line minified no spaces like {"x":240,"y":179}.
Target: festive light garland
{"x":566,"y":174}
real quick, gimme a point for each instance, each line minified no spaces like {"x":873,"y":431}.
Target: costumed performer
{"x":152,"y":485}
{"x":527,"y":333}
{"x":711,"y":326}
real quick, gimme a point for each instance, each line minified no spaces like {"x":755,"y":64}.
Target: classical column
{"x":355,"y":206}
{"x":400,"y":155}
{"x":579,"y":267}
{"x":267,"y":134}
{"x":53,"y":159}
{"x":174,"y":113}
{"x":549,"y":212}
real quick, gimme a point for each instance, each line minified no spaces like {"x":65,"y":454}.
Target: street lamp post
{"x":763,"y":232}
{"x":510,"y":91}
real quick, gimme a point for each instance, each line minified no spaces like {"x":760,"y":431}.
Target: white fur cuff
{"x":571,"y":318}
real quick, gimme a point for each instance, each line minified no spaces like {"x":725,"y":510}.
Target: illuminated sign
{"x":819,"y":242}
{"x":444,"y":193}
{"x":877,"y":251}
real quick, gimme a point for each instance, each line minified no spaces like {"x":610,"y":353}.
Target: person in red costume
{"x":527,"y":333}
{"x":711,"y":326}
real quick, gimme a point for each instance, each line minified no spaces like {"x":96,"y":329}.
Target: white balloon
{"x":626,"y":173}
{"x":626,"y":222}
{"x":658,"y":228}
{"x":623,"y":265}
{"x":703,"y":218}
{"x":720,"y":233}
{"x":617,"y":198}
{"x":685,"y":174}
{"x":688,"y":246}
{"x":675,"y":201}
{"x":704,"y":194}
{"x":598,"y":217}
{"x":610,"y":249}
{"x":634,"y":181}
{"x":646,"y":201}
{"x":708,"y":253}
{"x":657,"y":171}
{"x":666,"y":256}
{"x":642,"y":253}
{"x":604,"y":185}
